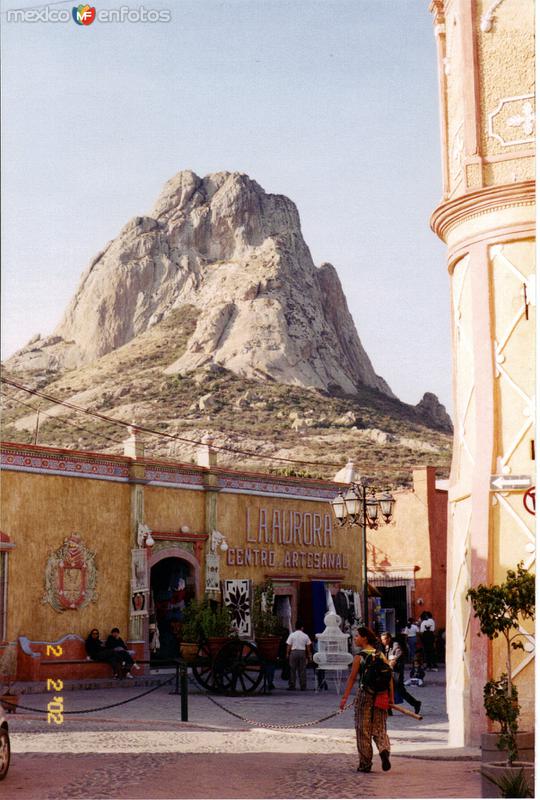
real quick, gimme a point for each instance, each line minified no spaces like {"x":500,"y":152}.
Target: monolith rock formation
{"x":209,"y":317}
{"x":224,"y":246}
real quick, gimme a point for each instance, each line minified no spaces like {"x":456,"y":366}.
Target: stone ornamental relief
{"x":513,"y":121}
{"x":70,"y":576}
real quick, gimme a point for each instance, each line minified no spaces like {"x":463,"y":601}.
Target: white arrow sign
{"x":509,"y":483}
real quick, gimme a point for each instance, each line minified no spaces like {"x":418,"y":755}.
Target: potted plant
{"x":266,"y":624}
{"x":499,"y":609}
{"x":191,"y":633}
{"x":215,"y":624}
{"x":8,"y":675}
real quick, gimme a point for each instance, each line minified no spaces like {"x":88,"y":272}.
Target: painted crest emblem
{"x":70,"y":576}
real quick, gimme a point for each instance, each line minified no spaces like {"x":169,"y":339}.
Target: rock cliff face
{"x":431,"y":411}
{"x":237,"y":254}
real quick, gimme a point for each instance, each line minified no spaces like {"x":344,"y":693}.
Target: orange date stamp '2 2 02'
{"x":55,"y":708}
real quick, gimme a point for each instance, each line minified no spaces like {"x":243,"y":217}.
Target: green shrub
{"x":499,"y":609}
{"x":265,"y":622}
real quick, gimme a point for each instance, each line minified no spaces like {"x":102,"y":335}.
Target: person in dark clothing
{"x":427,"y":634}
{"x":97,"y":651}
{"x":116,"y":643}
{"x":395,"y":657}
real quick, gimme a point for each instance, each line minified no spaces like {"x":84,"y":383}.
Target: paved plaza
{"x":141,"y":749}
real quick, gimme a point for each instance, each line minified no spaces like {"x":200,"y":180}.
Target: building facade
{"x":487,"y":219}
{"x":406,"y":559}
{"x":102,"y":540}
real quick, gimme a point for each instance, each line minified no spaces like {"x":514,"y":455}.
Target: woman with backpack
{"x":374,"y":697}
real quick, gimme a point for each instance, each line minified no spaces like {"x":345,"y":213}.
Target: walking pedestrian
{"x":396,"y":659}
{"x":298,"y":653}
{"x":411,"y":630}
{"x":374,"y":697}
{"x":427,"y":634}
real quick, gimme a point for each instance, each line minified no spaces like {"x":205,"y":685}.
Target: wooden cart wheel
{"x":202,"y":668}
{"x":237,"y":668}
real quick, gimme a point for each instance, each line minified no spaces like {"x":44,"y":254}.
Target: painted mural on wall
{"x":70,"y":576}
{"x":236,"y":595}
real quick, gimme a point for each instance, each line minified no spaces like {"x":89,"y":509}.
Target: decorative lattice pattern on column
{"x":513,"y":292}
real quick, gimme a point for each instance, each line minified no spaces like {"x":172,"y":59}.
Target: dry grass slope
{"x":383,"y":436}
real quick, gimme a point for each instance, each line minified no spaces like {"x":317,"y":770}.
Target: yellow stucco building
{"x":106,"y":540}
{"x":141,"y":525}
{"x":487,"y":219}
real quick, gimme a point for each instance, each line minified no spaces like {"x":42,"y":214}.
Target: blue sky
{"x":330,"y":102}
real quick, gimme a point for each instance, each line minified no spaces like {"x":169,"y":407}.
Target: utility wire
{"x":63,"y":420}
{"x":163,"y":434}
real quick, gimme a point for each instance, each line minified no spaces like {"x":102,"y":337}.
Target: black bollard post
{"x":183,"y":693}
{"x":176,"y":689}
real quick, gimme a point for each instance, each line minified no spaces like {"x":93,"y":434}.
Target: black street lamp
{"x":362,"y":505}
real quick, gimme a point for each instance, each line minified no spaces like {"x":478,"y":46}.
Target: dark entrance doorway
{"x":171,"y":587}
{"x":395,"y":597}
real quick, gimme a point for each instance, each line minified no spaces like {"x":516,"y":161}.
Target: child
{"x":417,"y":673}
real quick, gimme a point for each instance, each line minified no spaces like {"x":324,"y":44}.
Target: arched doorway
{"x":173,"y":583}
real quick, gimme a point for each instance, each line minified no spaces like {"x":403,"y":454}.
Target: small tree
{"x":265,"y":622}
{"x":191,"y":622}
{"x":499,"y":609}
{"x":8,"y":668}
{"x":214,"y":621}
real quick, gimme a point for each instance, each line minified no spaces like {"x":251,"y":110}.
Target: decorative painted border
{"x":173,"y":477}
{"x":54,"y":461}
{"x":247,"y":486}
{"x":239,"y":484}
{"x":58,"y":465}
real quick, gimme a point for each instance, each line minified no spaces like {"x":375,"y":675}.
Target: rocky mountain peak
{"x":223,"y":245}
{"x":433,"y":413}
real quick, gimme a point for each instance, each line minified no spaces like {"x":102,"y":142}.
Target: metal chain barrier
{"x":254,"y":722}
{"x":267,"y":724}
{"x":272,"y":725}
{"x":99,"y":708}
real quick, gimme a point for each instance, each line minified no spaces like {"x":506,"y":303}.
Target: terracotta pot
{"x":492,"y":754}
{"x":215,"y":643}
{"x":493,"y":773}
{"x":268,"y":647}
{"x":9,"y":702}
{"x":188,"y":651}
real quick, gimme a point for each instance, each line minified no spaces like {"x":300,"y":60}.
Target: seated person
{"x":417,"y":673}
{"x":117,"y":645}
{"x":97,"y":651}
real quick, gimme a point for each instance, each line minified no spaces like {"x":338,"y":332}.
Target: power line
{"x":163,"y":434}
{"x":68,"y":422}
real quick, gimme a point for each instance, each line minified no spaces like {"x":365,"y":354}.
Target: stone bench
{"x":64,"y":658}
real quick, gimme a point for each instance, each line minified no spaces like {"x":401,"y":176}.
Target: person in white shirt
{"x":298,"y":652}
{"x":427,"y":634}
{"x":411,"y":630}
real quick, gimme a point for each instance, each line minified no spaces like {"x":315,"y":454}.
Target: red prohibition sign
{"x":529,"y":500}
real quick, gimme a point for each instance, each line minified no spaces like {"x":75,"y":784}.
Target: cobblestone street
{"x":142,"y":750}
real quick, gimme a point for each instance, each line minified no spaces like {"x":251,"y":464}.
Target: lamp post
{"x":362,"y":504}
